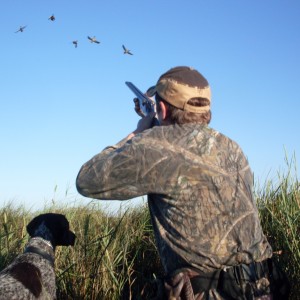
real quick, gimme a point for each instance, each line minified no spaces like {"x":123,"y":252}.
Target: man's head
{"x":183,"y":96}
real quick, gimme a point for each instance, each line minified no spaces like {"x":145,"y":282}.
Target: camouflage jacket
{"x":199,"y":187}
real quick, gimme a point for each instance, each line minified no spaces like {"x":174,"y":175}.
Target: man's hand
{"x":137,"y":107}
{"x":143,"y":124}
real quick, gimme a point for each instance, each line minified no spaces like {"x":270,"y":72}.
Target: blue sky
{"x":60,"y":105}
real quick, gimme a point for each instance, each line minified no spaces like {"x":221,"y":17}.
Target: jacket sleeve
{"x":121,"y":172}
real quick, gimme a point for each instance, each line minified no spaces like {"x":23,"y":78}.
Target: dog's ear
{"x":34,"y":224}
{"x":63,"y":235}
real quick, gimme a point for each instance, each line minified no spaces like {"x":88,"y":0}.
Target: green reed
{"x":279,"y":208}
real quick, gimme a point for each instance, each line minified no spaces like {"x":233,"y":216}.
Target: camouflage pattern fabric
{"x":199,"y":187}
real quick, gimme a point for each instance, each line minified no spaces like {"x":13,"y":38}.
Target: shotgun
{"x":144,"y":104}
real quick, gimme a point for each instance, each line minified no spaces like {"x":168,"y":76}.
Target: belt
{"x":244,"y":281}
{"x":205,"y":281}
{"x":251,"y":272}
{"x":234,"y":277}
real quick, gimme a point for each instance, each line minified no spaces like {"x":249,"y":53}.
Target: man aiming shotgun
{"x":199,"y":187}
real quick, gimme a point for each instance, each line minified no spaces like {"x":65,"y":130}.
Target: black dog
{"x":31,"y":275}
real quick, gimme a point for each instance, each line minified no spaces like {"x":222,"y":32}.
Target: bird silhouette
{"x":126,"y":51}
{"x":21,"y":29}
{"x":75,"y":43}
{"x":93,"y":40}
{"x":51,"y":18}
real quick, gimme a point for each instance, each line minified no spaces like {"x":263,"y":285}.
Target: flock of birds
{"x":75,"y":43}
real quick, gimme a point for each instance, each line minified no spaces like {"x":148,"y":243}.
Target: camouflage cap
{"x":180,"y":84}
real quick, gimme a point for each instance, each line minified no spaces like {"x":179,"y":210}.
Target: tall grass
{"x":279,"y":207}
{"x":107,"y":260}
{"x":115,"y":256}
